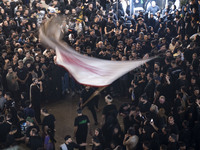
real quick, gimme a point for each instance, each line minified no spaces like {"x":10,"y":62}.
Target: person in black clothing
{"x":22,"y":76}
{"x":11,"y":136}
{"x":81,"y":126}
{"x":5,"y":126}
{"x":55,"y":80}
{"x":124,"y":111}
{"x":69,"y":144}
{"x":173,"y":145}
{"x":144,"y":104}
{"x":35,"y":140}
{"x":150,"y":87}
{"x":109,"y":119}
{"x":36,"y":89}
{"x":85,"y":95}
{"x":48,"y":121}
{"x":9,"y":102}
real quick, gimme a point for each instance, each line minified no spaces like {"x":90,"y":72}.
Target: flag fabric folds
{"x":86,"y":70}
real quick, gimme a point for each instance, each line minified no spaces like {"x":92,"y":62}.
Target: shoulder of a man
{"x":63,"y":147}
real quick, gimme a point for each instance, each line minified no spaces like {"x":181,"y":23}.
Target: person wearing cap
{"x":109,"y":119}
{"x":81,"y":127}
{"x":69,"y":144}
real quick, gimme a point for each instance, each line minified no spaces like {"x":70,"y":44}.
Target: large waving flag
{"x":86,"y":70}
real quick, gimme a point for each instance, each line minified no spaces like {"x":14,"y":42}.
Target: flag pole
{"x":93,"y":95}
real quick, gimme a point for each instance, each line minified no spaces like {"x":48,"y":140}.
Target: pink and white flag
{"x":86,"y":70}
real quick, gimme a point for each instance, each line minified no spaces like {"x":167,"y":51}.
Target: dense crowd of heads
{"x":165,"y":108}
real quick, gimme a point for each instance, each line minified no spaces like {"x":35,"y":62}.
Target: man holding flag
{"x":92,"y":104}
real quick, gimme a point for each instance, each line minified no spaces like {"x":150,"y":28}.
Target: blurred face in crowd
{"x":42,"y":59}
{"x":73,"y":11}
{"x":87,"y":88}
{"x":96,"y":132}
{"x":140,"y":22}
{"x":5,"y":23}
{"x":193,"y":81}
{"x":15,"y":58}
{"x":145,"y":38}
{"x":10,"y":70}
{"x":156,"y":67}
{"x":77,"y":49}
{"x":28,"y":55}
{"x":162,"y":99}
{"x":153,"y":3}
{"x":194,"y":56}
{"x":20,"y":51}
{"x":20,"y":64}
{"x":171,"y":120}
{"x":196,"y":92}
{"x":90,"y":6}
{"x":26,"y":12}
{"x":20,"y":8}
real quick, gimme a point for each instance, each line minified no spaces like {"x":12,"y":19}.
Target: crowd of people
{"x":164,"y":108}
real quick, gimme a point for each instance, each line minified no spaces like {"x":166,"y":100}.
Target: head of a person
{"x":162,"y":99}
{"x":20,"y":63}
{"x":154,"y":108}
{"x":198,"y":100}
{"x":87,"y":87}
{"x":29,"y":121}
{"x":153,"y":3}
{"x":131,"y":131}
{"x":44,"y":111}
{"x":10,"y":69}
{"x":97,"y":131}
{"x":68,"y":139}
{"x":34,"y":132}
{"x":143,"y":98}
{"x":182,"y":75}
{"x":182,"y":146}
{"x":146,"y":145}
{"x":108,"y":99}
{"x":172,"y":138}
{"x":149,"y":76}
{"x":163,"y":147}
{"x":196,"y":90}
{"x":7,"y":96}
{"x":171,"y":120}
{"x":90,"y":6}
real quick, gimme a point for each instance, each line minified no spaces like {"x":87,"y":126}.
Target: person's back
{"x":36,"y":142}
